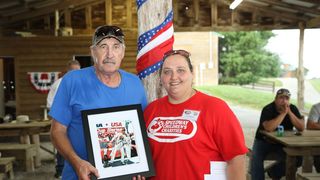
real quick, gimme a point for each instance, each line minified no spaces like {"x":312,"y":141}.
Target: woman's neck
{"x":182,"y":98}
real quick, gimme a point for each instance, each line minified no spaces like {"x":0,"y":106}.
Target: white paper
{"x":217,"y":171}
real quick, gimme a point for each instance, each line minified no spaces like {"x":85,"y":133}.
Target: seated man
{"x":313,"y":123}
{"x":278,"y":112}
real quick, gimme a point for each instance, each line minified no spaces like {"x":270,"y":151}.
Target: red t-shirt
{"x":185,"y":137}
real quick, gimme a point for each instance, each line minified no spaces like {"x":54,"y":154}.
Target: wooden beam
{"x":108,"y":9}
{"x":43,"y":11}
{"x":129,"y":13}
{"x":56,"y":22}
{"x":300,"y":70}
{"x":245,"y":6}
{"x":88,"y":14}
{"x":47,"y":22}
{"x":196,"y":8}
{"x":290,"y":6}
{"x":175,"y":11}
{"x":315,"y":22}
{"x":235,"y":27}
{"x":67,"y":17}
{"x":214,"y":12}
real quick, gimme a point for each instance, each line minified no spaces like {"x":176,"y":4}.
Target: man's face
{"x":108,"y":55}
{"x":282,"y":101}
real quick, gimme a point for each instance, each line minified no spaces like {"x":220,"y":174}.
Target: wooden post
{"x":67,"y":18}
{"x":196,"y":8}
{"x":149,"y":17}
{"x":56,"y":24}
{"x":214,"y":13}
{"x":300,"y":70}
{"x":108,"y":8}
{"x":88,"y":14}
{"x":129,"y":13}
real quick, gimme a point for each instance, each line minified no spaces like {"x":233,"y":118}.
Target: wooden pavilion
{"x":41,"y":34}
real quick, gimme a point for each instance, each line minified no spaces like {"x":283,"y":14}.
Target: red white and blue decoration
{"x":42,"y":81}
{"x":155,"y":34}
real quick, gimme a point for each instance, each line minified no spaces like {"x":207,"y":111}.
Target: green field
{"x":316,"y":84}
{"x":243,"y":96}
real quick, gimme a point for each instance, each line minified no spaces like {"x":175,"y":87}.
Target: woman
{"x":189,"y":130}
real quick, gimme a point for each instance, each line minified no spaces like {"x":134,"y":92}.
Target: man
{"x":99,"y":86}
{"x":71,"y":65}
{"x":279,"y":112}
{"x":313,"y":123}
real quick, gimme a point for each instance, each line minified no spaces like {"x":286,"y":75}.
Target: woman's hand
{"x":139,"y":177}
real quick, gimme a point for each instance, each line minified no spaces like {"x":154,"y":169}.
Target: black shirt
{"x":269,"y":112}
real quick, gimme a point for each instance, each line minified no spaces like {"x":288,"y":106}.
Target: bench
{"x":22,"y":152}
{"x":6,"y":166}
{"x":308,"y":176}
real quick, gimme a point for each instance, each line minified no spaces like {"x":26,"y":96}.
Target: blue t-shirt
{"x":82,"y":90}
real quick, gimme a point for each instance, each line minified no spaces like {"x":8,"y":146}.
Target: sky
{"x":286,"y":45}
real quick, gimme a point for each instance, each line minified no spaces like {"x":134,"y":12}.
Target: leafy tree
{"x":244,"y":60}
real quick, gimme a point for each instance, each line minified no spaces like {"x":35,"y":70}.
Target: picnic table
{"x":307,"y":144}
{"x":26,"y":131}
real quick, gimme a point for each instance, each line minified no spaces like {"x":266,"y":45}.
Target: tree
{"x":244,"y":60}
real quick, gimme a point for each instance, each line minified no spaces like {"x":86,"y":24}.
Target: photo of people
{"x":117,"y":143}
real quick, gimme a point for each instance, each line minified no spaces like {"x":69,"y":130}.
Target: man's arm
{"x":236,"y":168}
{"x":272,"y":124}
{"x":313,"y":125}
{"x":297,"y":123}
{"x":61,"y":142}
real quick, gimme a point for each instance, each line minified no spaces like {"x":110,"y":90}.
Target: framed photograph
{"x":117,"y":142}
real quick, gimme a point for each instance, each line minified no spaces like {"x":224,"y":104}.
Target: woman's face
{"x":176,"y":76}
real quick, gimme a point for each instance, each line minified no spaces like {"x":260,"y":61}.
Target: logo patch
{"x":171,"y":129}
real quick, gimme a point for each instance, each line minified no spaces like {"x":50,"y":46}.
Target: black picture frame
{"x":117,"y":143}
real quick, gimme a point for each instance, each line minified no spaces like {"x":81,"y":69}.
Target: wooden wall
{"x":47,"y":54}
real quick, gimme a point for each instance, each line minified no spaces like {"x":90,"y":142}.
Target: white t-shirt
{"x":52,"y":92}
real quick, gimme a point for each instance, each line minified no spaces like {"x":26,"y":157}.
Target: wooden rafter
{"x":47,"y":10}
{"x":290,"y":6}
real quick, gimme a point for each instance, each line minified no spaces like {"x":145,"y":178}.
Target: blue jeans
{"x":60,"y":163}
{"x":260,"y":150}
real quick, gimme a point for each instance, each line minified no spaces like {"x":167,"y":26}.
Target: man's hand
{"x":84,"y":169}
{"x":286,"y":108}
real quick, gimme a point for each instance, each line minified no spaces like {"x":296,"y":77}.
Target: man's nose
{"x":109,"y":52}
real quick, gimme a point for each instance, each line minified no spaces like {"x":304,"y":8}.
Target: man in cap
{"x":99,"y":86}
{"x":278,"y":112}
{"x":313,"y":123}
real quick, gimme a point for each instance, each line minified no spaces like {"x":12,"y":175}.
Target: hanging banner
{"x":42,"y":81}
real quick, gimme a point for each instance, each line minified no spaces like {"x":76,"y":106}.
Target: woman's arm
{"x":236,"y":168}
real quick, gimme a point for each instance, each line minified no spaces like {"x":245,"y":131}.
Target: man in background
{"x":71,"y":65}
{"x":313,"y":123}
{"x":278,"y":112}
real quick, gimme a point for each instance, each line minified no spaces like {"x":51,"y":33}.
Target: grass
{"x":278,"y":83}
{"x":243,"y":96}
{"x":316,"y":84}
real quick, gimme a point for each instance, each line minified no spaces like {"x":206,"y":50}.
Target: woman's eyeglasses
{"x":181,"y":52}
